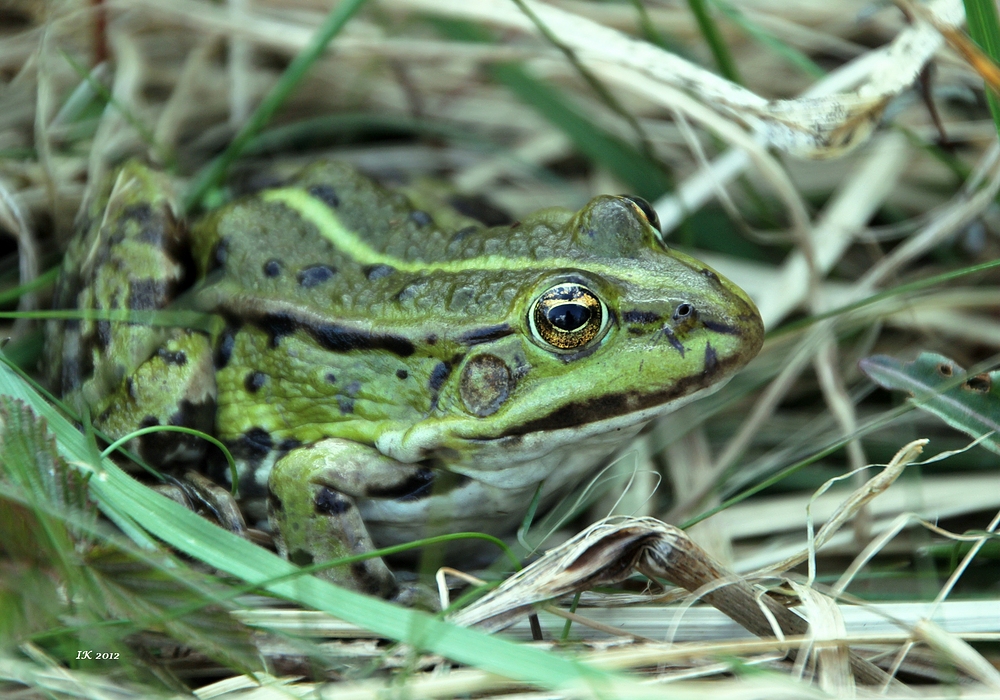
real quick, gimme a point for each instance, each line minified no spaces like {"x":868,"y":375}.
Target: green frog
{"x":385,"y":372}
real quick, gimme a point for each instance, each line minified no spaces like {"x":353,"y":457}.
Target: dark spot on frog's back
{"x":329,"y":502}
{"x":254,"y":381}
{"x":377,"y":272}
{"x":420,"y":218}
{"x":326,"y":194}
{"x":331,"y":336}
{"x":272,"y":268}
{"x":463,"y":233}
{"x":410,"y":290}
{"x":225,"y":348}
{"x":315,"y":275}
{"x":146,"y":294}
{"x":402,"y":374}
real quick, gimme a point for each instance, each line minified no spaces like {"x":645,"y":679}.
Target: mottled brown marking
{"x":485,"y":385}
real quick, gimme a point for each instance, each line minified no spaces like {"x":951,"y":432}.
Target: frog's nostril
{"x":683,"y":312}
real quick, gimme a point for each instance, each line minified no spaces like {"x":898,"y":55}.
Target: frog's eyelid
{"x":645,"y":209}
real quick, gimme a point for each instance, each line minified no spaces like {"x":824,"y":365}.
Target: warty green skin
{"x":368,"y":352}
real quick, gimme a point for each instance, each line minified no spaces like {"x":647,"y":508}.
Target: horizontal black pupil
{"x":568,"y":317}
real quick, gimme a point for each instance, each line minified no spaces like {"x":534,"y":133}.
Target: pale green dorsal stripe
{"x":330,"y":227}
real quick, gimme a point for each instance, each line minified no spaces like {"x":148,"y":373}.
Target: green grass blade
{"x":713,"y":37}
{"x":166,"y":156}
{"x":768,"y":41}
{"x":643,"y":176}
{"x":289,"y":80}
{"x":984,"y":28}
{"x":640,"y":173}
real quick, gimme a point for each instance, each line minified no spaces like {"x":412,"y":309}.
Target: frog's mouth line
{"x":601,"y":409}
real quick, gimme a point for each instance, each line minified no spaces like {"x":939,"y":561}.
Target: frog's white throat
{"x":518,"y":461}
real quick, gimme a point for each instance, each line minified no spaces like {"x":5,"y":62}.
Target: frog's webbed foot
{"x":313,"y":510}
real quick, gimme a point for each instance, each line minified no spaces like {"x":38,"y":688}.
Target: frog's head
{"x":613,"y":329}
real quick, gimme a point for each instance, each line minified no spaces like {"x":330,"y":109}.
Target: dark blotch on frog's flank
{"x":330,"y":336}
{"x":402,"y":374}
{"x":315,"y":275}
{"x":253,"y":446}
{"x":254,"y":381}
{"x":326,"y":194}
{"x":286,"y":446}
{"x":272,"y":268}
{"x":330,"y":502}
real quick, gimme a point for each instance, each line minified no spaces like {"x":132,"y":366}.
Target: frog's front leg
{"x":313,"y":509}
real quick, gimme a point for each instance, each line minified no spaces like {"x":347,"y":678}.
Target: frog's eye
{"x":644,"y":208}
{"x":567,"y":317}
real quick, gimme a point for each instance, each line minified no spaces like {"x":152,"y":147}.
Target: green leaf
{"x":937,"y":385}
{"x":984,"y":28}
{"x":713,"y":37}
